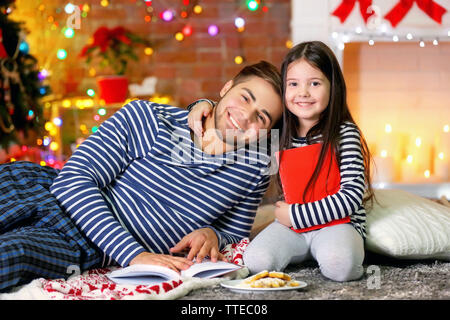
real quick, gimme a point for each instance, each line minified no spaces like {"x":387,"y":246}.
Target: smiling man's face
{"x":245,"y":109}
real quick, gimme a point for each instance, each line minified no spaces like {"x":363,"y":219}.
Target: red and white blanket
{"x":95,"y":285}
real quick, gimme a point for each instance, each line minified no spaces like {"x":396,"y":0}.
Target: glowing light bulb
{"x":69,"y":8}
{"x":48,"y":126}
{"x":238,"y":60}
{"x":426,"y":173}
{"x":252,"y":5}
{"x":198,"y":9}
{"x":418,"y":142}
{"x":54,"y":146}
{"x":69,"y":33}
{"x":387,"y":128}
{"x":213,"y":30}
{"x":179,"y":36}
{"x":187,"y":30}
{"x":383,"y":153}
{"x":167,"y":15}
{"x":441,"y":155}
{"x":446,"y":128}
{"x":66,"y":103}
{"x":57,"y":121}
{"x":61,"y":54}
{"x":239,"y":22}
{"x":409,"y":158}
{"x":92,"y":72}
{"x":43,"y":74}
{"x":46,"y":141}
{"x":289,"y":44}
{"x":148,"y":51}
{"x":395,"y":38}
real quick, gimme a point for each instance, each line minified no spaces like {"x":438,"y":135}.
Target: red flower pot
{"x":113,"y":89}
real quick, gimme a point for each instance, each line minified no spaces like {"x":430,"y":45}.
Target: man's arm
{"x":127,"y":135}
{"x":237,"y":223}
{"x":231,"y":227}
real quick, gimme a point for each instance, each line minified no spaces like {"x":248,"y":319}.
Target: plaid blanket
{"x":37,"y":239}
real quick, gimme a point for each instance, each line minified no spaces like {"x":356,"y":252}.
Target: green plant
{"x":112,"y":48}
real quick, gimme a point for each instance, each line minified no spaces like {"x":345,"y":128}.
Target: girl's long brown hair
{"x":320,"y":56}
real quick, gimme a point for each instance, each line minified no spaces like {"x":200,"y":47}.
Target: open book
{"x":146,"y":274}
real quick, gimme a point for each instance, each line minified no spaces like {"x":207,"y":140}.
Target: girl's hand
{"x":282,"y":213}
{"x":198,"y":112}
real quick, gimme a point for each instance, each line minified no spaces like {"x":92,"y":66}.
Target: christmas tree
{"x":20,"y":87}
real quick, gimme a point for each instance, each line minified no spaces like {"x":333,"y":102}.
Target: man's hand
{"x":282,"y":213}
{"x":202,"y":242}
{"x":174,"y":263}
{"x":198,"y":112}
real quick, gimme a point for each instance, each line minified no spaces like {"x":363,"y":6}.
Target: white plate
{"x":233,"y":286}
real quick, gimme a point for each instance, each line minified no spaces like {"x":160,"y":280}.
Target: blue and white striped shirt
{"x":140,"y":184}
{"x":348,"y":200}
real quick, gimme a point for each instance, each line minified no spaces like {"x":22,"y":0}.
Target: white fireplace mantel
{"x":312,"y":20}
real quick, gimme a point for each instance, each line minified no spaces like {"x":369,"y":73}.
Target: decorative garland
{"x":395,"y":15}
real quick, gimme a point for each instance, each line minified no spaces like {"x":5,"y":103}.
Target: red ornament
{"x":399,"y":11}
{"x":3,"y":53}
{"x":346,"y":7}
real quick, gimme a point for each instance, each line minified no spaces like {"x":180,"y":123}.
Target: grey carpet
{"x":398,"y":280}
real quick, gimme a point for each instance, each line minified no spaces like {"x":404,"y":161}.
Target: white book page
{"x":144,"y":274}
{"x":209,"y":269}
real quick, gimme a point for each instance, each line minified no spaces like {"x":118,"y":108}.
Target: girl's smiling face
{"x":307,"y":93}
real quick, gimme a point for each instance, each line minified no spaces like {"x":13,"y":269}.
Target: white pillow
{"x":407,"y":226}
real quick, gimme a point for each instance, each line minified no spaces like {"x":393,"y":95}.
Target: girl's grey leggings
{"x":339,"y":250}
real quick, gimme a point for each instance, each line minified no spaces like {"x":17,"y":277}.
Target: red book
{"x":297,"y":167}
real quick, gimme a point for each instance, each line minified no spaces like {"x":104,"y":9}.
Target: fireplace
{"x":399,"y":94}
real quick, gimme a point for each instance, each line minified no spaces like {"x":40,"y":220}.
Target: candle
{"x":387,"y":142}
{"x":441,"y":160}
{"x":409,"y":169}
{"x":441,"y":167}
{"x":384,"y":168}
{"x":421,"y":154}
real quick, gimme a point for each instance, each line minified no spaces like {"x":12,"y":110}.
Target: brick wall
{"x":196,"y":67}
